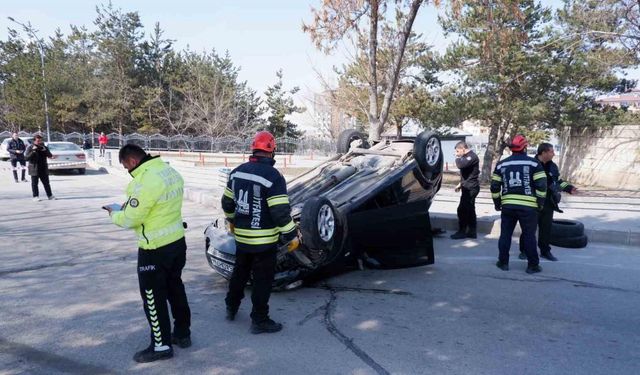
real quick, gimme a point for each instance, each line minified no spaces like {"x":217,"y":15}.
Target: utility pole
{"x":30,"y":30}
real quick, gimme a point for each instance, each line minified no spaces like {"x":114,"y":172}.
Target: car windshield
{"x":63,"y":147}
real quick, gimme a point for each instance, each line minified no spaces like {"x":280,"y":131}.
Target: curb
{"x":449,"y":222}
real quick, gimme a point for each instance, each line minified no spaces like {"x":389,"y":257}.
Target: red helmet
{"x":263,"y":141}
{"x":518,"y":143}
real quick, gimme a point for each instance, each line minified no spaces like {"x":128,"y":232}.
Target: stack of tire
{"x":568,"y":233}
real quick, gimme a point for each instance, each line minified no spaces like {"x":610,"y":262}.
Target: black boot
{"x":265,"y":326}
{"x":150,"y":355}
{"x":522,"y":256}
{"x":182,"y":342}
{"x":502,"y":266}
{"x":534,"y":269}
{"x":458,"y":235}
{"x":472,"y":232}
{"x":231,"y":314}
{"x":548,"y":256}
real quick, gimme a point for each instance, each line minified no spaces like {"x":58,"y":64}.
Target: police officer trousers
{"x":528,"y":219}
{"x":159,"y":275}
{"x":262,"y":266}
{"x":467,"y":209}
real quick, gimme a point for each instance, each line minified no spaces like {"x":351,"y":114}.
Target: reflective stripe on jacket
{"x":154,"y":204}
{"x":519,"y":180}
{"x":256,"y":201}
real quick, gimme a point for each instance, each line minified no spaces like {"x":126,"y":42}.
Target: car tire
{"x":321,"y":226}
{"x":82,"y":170}
{"x":427,"y":150}
{"x":562,"y":228}
{"x":577,"y":242}
{"x":347,"y":137}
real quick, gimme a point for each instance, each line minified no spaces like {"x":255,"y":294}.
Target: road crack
{"x":66,"y":263}
{"x":552,"y":279}
{"x":363,"y":290}
{"x":327,"y":311}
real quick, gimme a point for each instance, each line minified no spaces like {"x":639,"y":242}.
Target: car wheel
{"x":321,"y":226}
{"x":561,"y":228}
{"x":82,"y":171}
{"x":577,"y":242}
{"x":427,"y":151}
{"x":347,"y":138}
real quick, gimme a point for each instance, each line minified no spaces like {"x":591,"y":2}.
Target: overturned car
{"x":368,"y":204}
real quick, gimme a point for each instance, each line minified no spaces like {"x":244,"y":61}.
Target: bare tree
{"x":361,"y":19}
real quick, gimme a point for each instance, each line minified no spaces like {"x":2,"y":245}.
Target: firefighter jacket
{"x":519,"y":181}
{"x":256,"y":202}
{"x":555,"y":185}
{"x":16,"y":149}
{"x":154,"y":204}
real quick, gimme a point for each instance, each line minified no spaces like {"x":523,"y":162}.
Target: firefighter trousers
{"x":160,"y":278}
{"x":528,"y":220}
{"x":262,"y":266}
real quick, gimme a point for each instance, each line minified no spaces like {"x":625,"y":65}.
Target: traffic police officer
{"x":518,"y":189}
{"x":555,"y":185}
{"x":154,"y":211}
{"x":17,"y":148}
{"x":256,"y":205}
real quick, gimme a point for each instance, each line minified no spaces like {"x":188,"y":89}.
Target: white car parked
{"x":67,"y":155}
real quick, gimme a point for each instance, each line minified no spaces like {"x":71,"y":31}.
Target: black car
{"x":368,"y":204}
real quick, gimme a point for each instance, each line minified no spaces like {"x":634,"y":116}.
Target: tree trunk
{"x":394,"y":73}
{"x":491,"y":153}
{"x":374,"y":135}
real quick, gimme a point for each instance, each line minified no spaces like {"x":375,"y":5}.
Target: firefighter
{"x":154,"y":211}
{"x":555,"y":185}
{"x":518,"y":189}
{"x":256,"y":205}
{"x":468,"y":163}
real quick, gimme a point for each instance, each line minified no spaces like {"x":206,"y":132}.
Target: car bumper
{"x":68,"y":165}
{"x":220,"y":251}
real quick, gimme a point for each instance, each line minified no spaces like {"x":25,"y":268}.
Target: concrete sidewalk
{"x":613,"y":218}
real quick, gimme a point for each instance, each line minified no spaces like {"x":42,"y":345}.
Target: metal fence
{"x":161,"y":142}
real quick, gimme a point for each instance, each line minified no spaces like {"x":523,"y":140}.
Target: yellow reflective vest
{"x":154,"y":204}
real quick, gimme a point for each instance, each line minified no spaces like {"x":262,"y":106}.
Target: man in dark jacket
{"x":17,"y":148}
{"x":555,"y":185}
{"x":468,"y":164}
{"x":37,"y":154}
{"x":256,"y":205}
{"x":518,"y":189}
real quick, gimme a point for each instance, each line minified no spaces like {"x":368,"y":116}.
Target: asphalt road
{"x":69,"y":304}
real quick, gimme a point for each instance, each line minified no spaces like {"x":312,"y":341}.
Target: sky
{"x":261,"y":36}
